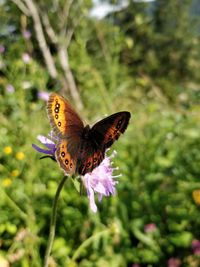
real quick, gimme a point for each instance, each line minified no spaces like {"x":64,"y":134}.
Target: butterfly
{"x":82,"y":148}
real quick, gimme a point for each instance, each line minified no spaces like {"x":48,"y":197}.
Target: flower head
{"x":26,"y":85}
{"x":6,"y":182}
{"x":10,"y":88}
{"x":20,"y":155}
{"x":100,"y":180}
{"x":7,"y":150}
{"x":15,"y":173}
{"x":174,"y":262}
{"x":2,"y":49}
{"x":26,"y":58}
{"x":43,"y":95}
{"x":196,"y":246}
{"x":26,"y":34}
{"x":150,"y":227}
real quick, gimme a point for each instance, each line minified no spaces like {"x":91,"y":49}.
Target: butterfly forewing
{"x":101,"y":136}
{"x":64,"y":120}
{"x":68,"y":127}
{"x":106,"y":131}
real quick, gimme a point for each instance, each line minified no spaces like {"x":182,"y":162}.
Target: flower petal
{"x":93,"y":206}
{"x":100,"y":188}
{"x":45,"y":151}
{"x":90,"y":193}
{"x":53,"y":136}
{"x":100,"y":196}
{"x":43,"y":95}
{"x":46,"y":141}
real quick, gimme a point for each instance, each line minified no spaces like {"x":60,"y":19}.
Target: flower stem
{"x":53,"y":221}
{"x":88,"y":241}
{"x":13,"y":205}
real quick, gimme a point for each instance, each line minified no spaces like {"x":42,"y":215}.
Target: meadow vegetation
{"x":144,"y":59}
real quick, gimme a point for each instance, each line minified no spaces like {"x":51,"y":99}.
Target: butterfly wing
{"x":63,"y":119}
{"x":101,"y":136}
{"x":106,"y":131}
{"x":64,"y":158}
{"x":89,"y":158}
{"x":68,"y":127}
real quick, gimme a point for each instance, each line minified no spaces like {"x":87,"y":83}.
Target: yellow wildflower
{"x":20,"y":155}
{"x":196,"y":196}
{"x":7,"y":150}
{"x":6,"y":182}
{"x":15,"y":173}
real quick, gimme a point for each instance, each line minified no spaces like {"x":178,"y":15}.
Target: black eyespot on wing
{"x":88,"y":164}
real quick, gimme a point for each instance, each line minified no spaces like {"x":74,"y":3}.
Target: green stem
{"x":53,"y":221}
{"x":14,"y":206}
{"x":87,"y":242}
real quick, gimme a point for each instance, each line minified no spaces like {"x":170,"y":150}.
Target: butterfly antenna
{"x":51,"y":157}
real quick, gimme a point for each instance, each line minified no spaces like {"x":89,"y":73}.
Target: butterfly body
{"x":86,"y":132}
{"x":82,"y":148}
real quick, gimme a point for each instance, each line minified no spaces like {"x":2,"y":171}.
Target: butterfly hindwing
{"x":63,"y":119}
{"x":106,"y":131}
{"x":64,"y":158}
{"x":90,"y":162}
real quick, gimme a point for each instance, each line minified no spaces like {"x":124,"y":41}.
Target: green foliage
{"x":132,"y":60}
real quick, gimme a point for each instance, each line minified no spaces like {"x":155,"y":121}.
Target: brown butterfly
{"x":81,"y":148}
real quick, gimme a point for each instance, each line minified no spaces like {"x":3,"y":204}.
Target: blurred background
{"x":104,"y":56}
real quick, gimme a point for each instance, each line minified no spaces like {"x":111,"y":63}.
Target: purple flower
{"x":135,"y":265}
{"x":10,"y":88}
{"x":43,"y":95}
{"x":50,"y":145}
{"x":100,"y":180}
{"x":150,"y":227}
{"x":26,"y":34}
{"x":173,"y":262}
{"x":196,"y":247}
{"x":2,"y":49}
{"x":26,"y":58}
